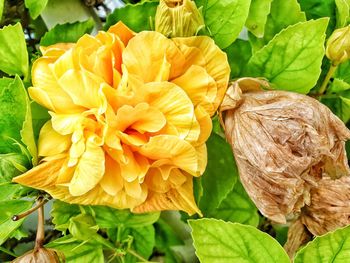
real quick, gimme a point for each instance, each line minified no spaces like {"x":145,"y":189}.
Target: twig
{"x":41,"y":201}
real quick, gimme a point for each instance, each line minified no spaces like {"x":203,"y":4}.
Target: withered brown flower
{"x":41,"y":255}
{"x":284,"y":144}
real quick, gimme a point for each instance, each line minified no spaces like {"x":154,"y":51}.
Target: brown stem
{"x":40,"y":202}
{"x":40,"y":233}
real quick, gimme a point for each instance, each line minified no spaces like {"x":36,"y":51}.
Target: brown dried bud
{"x":283,"y":143}
{"x":330,"y":206}
{"x":41,"y":255}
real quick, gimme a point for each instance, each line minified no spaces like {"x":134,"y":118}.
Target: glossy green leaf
{"x":107,"y":217}
{"x":9,"y":208}
{"x":343,"y":72}
{"x":67,"y":33}
{"x":224,"y":19}
{"x":283,"y":14}
{"x":338,"y":99}
{"x":138,"y":17}
{"x":220,"y":242}
{"x":237,"y":207}
{"x":220,"y":175}
{"x":13,"y":50}
{"x":315,"y":9}
{"x":292,"y":60}
{"x":332,"y":247}
{"x":238,"y":54}
{"x":35,"y":7}
{"x":104,"y":216}
{"x":143,"y":241}
{"x":14,"y":124}
{"x":77,"y":252}
{"x":258,"y":12}
{"x":40,"y":116}
{"x":8,"y":191}
{"x":11,"y":165}
{"x":343,"y":12}
{"x":83,"y":227}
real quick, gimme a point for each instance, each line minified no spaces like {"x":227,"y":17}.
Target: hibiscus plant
{"x":174,"y":131}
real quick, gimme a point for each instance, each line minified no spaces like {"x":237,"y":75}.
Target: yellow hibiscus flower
{"x":130,"y":118}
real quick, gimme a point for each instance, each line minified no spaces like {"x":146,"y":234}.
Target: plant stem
{"x":132,"y":252}
{"x":325,"y":82}
{"x":40,"y":233}
{"x":40,"y":202}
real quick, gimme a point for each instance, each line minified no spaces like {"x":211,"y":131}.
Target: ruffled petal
{"x":147,"y":60}
{"x":112,"y":182}
{"x":89,"y":170}
{"x":178,"y":152}
{"x":50,"y":142}
{"x":122,"y":31}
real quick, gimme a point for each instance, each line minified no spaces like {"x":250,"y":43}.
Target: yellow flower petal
{"x":178,"y":152}
{"x":199,"y":86}
{"x":50,"y":142}
{"x":76,"y":83}
{"x":147,"y":60}
{"x":202,"y":49}
{"x":141,"y":118}
{"x":112,"y":182}
{"x":205,"y":124}
{"x":122,"y":31}
{"x":180,"y":198}
{"x":177,"y":108}
{"x":89,"y":170}
{"x":134,"y":167}
{"x":46,"y":90}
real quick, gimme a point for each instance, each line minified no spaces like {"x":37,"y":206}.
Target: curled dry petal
{"x":130,"y":118}
{"x":284,"y":143}
{"x":329,"y":208}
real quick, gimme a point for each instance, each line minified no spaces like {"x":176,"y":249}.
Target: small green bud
{"x":178,"y":18}
{"x":338,"y":46}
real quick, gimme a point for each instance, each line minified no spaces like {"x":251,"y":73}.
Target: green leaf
{"x":315,"y":9}
{"x":343,"y":12}
{"x":76,"y":251}
{"x":143,"y":242}
{"x":8,"y":191}
{"x":13,"y":50}
{"x":332,"y":247}
{"x":292,"y":60}
{"x":258,"y":12}
{"x":224,"y":19}
{"x":11,"y":165}
{"x":67,"y":33}
{"x":9,"y":208}
{"x":40,"y":116}
{"x":220,"y":175}
{"x":27,"y":133}
{"x":1,"y":8}
{"x":237,"y":207}
{"x":35,"y":7}
{"x":337,"y":99}
{"x":13,"y":95}
{"x":343,"y":72}
{"x":238,"y":54}
{"x":61,"y":213}
{"x":283,"y":14}
{"x":107,"y":217}
{"x":219,"y":241}
{"x":138,"y":17}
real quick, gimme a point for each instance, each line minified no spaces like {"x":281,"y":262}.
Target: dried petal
{"x":330,"y":206}
{"x":41,"y":255}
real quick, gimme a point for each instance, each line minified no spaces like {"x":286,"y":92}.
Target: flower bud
{"x":284,"y":144}
{"x":178,"y":18}
{"x":338,"y":46}
{"x":41,"y":255}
